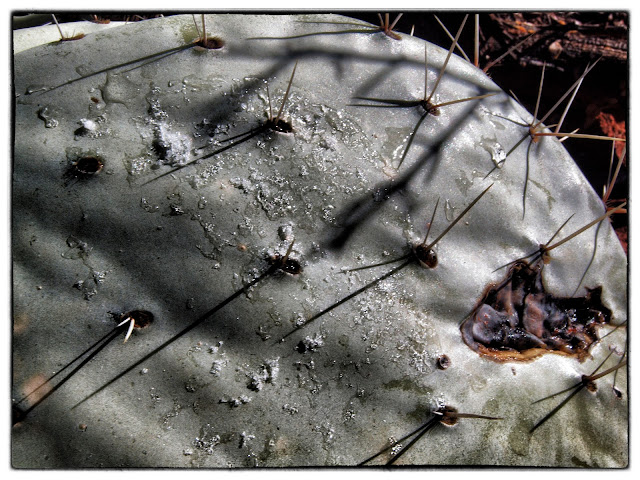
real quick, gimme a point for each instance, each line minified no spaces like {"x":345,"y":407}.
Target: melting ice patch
{"x":498,"y":155}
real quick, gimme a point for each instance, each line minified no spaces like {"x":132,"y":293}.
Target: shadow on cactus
{"x":444,"y":415}
{"x":272,"y":123}
{"x":385,"y":27}
{"x":426,"y":103}
{"x":221,"y":396}
{"x":277,"y":264}
{"x":422,"y":254}
{"x":536,"y":127}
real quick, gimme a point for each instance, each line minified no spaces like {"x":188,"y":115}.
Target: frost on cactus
{"x":302,"y":250}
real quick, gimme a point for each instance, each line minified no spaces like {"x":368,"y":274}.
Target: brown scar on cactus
{"x":273,"y":123}
{"x":421,"y":254}
{"x":445,"y":415}
{"x":587,"y":381}
{"x":518,"y":320}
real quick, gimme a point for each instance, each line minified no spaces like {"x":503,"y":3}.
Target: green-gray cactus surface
{"x":140,"y":183}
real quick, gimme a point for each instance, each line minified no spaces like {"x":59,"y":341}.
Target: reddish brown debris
{"x":622,"y":233}
{"x":612,"y":128}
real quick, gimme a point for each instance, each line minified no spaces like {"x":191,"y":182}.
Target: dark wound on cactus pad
{"x":210,"y":43}
{"x":84,"y":167}
{"x":285,"y":263}
{"x":279,"y":125}
{"x":518,"y":320}
{"x":141,"y":318}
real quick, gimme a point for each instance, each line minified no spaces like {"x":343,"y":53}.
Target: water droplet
{"x":49,"y":114}
{"x":244,"y":438}
{"x":235,"y":402}
{"x":491,"y":145}
{"x":207,"y":440}
{"x":290,"y":409}
{"x":216,"y":367}
{"x":84,"y":70}
{"x":449,"y":210}
{"x":176,"y":210}
{"x":118,"y":89}
{"x":310,"y":344}
{"x":144,"y":203}
{"x":498,"y":155}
